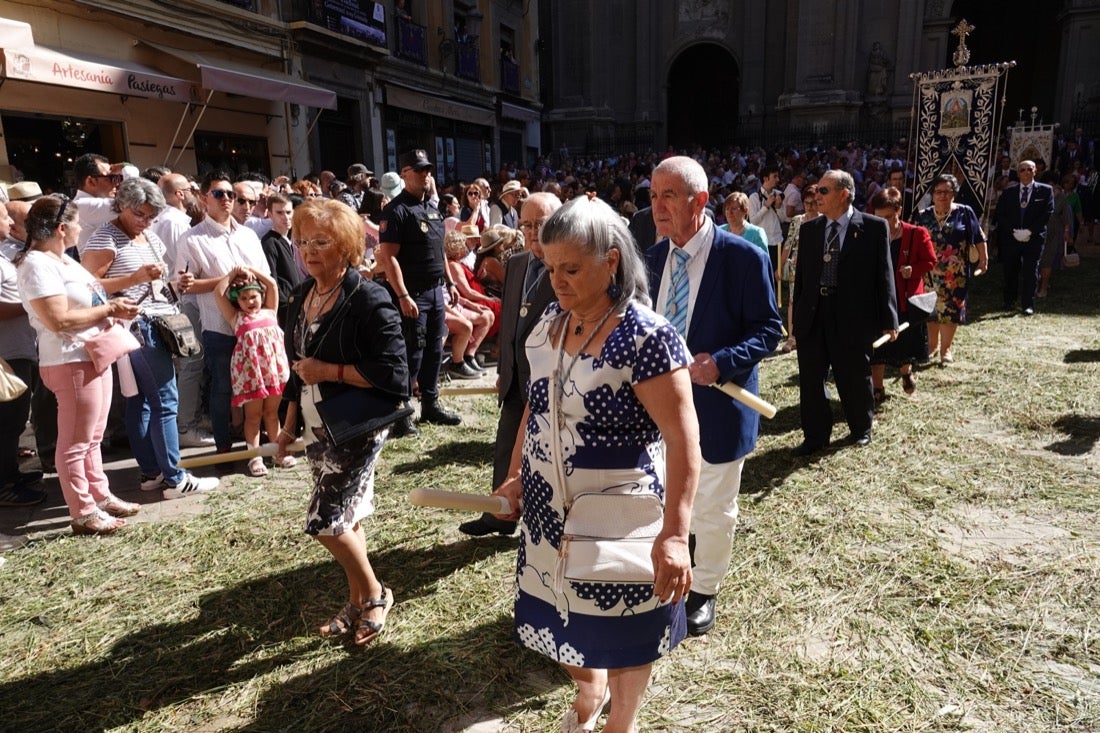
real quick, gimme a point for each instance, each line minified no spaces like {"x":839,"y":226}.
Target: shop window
{"x":233,"y":153}
{"x":42,"y":148}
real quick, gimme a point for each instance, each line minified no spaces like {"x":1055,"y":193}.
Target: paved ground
{"x":19,"y":525}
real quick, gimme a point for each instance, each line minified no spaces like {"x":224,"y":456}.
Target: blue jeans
{"x":151,"y":414}
{"x":217,"y":350}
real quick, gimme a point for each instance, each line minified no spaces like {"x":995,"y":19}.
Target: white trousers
{"x":713,"y":521}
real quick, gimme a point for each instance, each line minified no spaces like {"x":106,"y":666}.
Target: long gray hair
{"x":597,"y":229}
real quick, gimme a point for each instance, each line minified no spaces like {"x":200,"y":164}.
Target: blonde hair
{"x":454,"y":245}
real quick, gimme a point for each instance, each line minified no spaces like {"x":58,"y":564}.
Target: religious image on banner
{"x":1031,"y":141}
{"x":957,"y":115}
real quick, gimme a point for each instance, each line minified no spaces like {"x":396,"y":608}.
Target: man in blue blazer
{"x":1021,"y":215}
{"x":722,"y":301}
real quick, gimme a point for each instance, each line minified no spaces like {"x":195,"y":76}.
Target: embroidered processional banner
{"x":957,"y":117}
{"x":1031,"y":142}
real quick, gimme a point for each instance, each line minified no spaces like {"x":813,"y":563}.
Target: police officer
{"x":411,"y":254}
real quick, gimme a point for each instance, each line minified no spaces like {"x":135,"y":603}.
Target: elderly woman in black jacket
{"x":343,"y":339}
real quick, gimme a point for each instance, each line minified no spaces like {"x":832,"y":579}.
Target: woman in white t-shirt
{"x":66,"y":305}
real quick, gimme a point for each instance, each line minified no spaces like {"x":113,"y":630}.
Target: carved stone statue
{"x":880,"y":72}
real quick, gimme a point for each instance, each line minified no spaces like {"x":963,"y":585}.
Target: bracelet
{"x":450,"y":283}
{"x":402,"y":295}
{"x":340,"y":373}
{"x":287,"y":433}
{"x":406,"y":295}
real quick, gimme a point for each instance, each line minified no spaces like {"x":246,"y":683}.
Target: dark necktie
{"x":831,"y":259}
{"x":1024,"y":196}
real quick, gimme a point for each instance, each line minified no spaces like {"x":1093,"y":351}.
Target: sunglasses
{"x":61,"y":211}
{"x":243,"y":202}
{"x":824,"y":190}
{"x":115,"y":178}
{"x":474,"y":193}
{"x":221,"y":194}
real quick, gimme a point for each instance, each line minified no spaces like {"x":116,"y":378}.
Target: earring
{"x":614,"y":291}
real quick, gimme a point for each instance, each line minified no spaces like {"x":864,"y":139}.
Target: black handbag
{"x":355,"y":413}
{"x":177,"y":334}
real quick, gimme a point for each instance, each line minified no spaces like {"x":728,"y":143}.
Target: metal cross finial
{"x":962,"y":53}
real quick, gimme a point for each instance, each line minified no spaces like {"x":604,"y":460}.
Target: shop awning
{"x":96,"y":74}
{"x":16,"y":35}
{"x":249,"y":81}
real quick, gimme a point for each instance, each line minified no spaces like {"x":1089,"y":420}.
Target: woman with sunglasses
{"x":67,"y":306}
{"x":128,"y":259}
{"x":472,"y":211}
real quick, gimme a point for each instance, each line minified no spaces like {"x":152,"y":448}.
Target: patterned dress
{"x":259,"y":366}
{"x":950,"y":278}
{"x":608,"y":440}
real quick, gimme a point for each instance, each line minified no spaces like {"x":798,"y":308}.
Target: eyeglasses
{"x":824,"y":190}
{"x":943,"y":192}
{"x":243,"y":202}
{"x":534,"y":226}
{"x":312,"y":196}
{"x":144,"y":217}
{"x":317,"y":244}
{"x":115,"y":178}
{"x":221,"y":194}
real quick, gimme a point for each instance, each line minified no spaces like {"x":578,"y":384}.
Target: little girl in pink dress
{"x":259,"y":367}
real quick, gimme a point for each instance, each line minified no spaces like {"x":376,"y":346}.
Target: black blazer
{"x":362,"y":330}
{"x":865,"y":293}
{"x":284,"y":268}
{"x":1033,"y":217}
{"x":513,"y":367}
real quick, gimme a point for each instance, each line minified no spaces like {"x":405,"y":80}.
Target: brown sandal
{"x":118,"y":508}
{"x":343,"y":622}
{"x":98,"y":522}
{"x":366,"y":630}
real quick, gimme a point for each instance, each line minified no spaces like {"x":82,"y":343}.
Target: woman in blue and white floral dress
{"x":624,"y":423}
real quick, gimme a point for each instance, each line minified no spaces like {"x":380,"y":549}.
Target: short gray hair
{"x":136,"y":192}
{"x":687,"y":170}
{"x":844,"y":178}
{"x":596,"y":227}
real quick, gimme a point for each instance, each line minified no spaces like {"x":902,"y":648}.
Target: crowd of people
{"x":612,"y":295}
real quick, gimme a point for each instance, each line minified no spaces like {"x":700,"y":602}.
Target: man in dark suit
{"x":641,"y":226}
{"x":1021,"y":215}
{"x":716,"y":289}
{"x":843,"y":300}
{"x":527,"y":292}
{"x":279,"y":251}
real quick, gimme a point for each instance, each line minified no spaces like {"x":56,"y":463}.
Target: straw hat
{"x":491,"y":238}
{"x":24,"y":191}
{"x":470,"y":230}
{"x":513,"y":187}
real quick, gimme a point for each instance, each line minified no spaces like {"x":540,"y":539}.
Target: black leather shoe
{"x":404,"y":428}
{"x":483,"y":526}
{"x":700,"y":613}
{"x":807,"y":448}
{"x":860,"y":441}
{"x":433,"y":414}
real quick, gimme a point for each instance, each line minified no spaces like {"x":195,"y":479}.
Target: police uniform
{"x":417,"y":227}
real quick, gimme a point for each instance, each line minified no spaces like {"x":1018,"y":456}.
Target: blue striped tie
{"x":676,"y":304}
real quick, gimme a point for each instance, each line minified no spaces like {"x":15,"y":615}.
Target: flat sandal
{"x":343,"y":622}
{"x":373,"y":628}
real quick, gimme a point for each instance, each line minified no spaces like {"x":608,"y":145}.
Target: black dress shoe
{"x":482,"y":526}
{"x":434,"y":414}
{"x":700,"y":613}
{"x":404,"y":428}
{"x":859,"y":441}
{"x":807,"y":448}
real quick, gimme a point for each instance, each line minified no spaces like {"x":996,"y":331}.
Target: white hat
{"x":391,"y":184}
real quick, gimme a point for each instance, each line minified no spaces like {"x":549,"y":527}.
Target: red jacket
{"x":917,"y":252}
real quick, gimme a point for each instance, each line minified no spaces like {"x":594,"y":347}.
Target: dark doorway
{"x":1000,"y":36}
{"x":704,"y":85}
{"x":338,"y":134}
{"x":43,"y":148}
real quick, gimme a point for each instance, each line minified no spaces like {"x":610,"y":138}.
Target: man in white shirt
{"x":95,"y":194}
{"x":209,"y":251}
{"x":172,"y":225}
{"x":250,"y":206}
{"x":766,"y":211}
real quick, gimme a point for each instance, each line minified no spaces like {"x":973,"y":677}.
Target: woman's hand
{"x":906,"y":272}
{"x":311,"y":370}
{"x":123,"y":308}
{"x":147,"y":273}
{"x":512,"y":490}
{"x":672,"y":567}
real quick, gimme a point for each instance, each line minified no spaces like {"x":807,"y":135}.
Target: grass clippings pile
{"x":946,"y":578}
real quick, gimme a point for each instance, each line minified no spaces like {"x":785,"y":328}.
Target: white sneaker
{"x":190,"y":486}
{"x":152,"y":483}
{"x":195,"y":438}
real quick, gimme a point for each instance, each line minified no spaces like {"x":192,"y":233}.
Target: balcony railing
{"x":468,"y":63}
{"x":412,"y":43}
{"x":509,"y":76}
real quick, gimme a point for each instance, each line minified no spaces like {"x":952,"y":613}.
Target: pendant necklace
{"x":526,"y":301}
{"x":563,"y":377}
